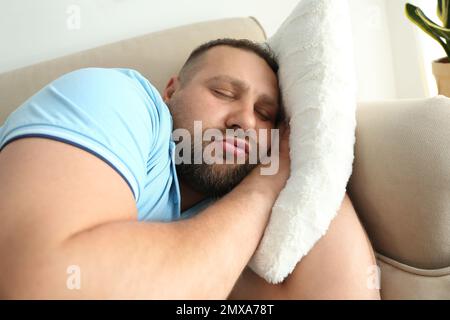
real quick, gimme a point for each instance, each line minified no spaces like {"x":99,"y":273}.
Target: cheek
{"x":181,"y":113}
{"x":263,"y":139}
{"x":264,"y":135}
{"x":196,"y":106}
{"x":206,"y":108}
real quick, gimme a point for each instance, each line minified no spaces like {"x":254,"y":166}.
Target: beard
{"x":213,"y":180}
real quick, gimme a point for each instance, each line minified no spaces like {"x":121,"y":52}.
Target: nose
{"x":242,"y":116}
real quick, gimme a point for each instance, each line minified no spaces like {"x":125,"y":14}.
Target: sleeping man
{"x":95,"y":203}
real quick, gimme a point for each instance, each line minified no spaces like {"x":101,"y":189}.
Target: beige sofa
{"x":401,"y":180}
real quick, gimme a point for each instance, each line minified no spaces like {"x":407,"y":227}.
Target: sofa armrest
{"x":400,"y":184}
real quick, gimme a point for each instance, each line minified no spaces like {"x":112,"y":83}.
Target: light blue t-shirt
{"x":117,"y":115}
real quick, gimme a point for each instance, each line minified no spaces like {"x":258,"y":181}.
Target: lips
{"x":235,"y":146}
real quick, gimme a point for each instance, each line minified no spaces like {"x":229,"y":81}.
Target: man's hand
{"x":273,"y":184}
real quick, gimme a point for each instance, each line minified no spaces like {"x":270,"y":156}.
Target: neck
{"x":189,"y":197}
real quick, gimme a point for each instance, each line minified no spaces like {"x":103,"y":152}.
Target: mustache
{"x":233,"y":133}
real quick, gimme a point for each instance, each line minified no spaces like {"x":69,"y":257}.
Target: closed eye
{"x":223,"y":93}
{"x":263,"y":115}
{"x":228,"y":95}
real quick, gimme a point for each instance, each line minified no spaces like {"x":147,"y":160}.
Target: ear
{"x":171,"y":87}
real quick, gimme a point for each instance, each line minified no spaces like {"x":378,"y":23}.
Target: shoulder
{"x":125,"y":92}
{"x":105,"y":111}
{"x":116,"y":82}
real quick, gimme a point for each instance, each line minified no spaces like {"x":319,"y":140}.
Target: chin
{"x":216,"y":179}
{"x":225,"y":167}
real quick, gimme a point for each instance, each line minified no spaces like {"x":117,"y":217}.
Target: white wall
{"x":373,"y":53}
{"x":36,"y":30}
{"x":33,"y":31}
{"x":406,"y":56}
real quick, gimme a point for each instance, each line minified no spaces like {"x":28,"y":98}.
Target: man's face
{"x":231,"y":89}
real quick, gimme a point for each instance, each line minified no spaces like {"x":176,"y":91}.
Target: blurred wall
{"x":33,"y":31}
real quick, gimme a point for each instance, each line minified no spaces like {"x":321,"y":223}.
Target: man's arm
{"x":61,"y":206}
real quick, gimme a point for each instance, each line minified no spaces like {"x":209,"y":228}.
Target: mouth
{"x":236,"y":146}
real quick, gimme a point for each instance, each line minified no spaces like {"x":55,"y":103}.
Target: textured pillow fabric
{"x":317,"y":81}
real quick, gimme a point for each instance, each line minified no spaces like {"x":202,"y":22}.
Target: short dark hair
{"x":259,"y":49}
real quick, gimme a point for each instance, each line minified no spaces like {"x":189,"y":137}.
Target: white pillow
{"x":317,"y":80}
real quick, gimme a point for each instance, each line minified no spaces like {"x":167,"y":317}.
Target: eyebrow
{"x":241,"y":85}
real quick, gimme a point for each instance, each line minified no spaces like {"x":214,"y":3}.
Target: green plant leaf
{"x":441,"y":31}
{"x":418,"y":17}
{"x":442,"y":12}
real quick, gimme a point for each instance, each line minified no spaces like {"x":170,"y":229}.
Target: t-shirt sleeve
{"x":106,"y":112}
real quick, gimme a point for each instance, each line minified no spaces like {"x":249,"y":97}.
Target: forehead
{"x":241,"y":64}
{"x":231,"y":57}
